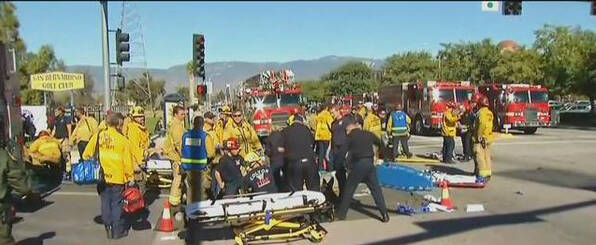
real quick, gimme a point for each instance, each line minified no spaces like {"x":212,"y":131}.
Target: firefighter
{"x":448,"y":131}
{"x":198,"y":148}
{"x":298,"y":152}
{"x":361,"y":156}
{"x":372,"y":122}
{"x":172,"y":149}
{"x":361,"y":110}
{"x":209,"y":128}
{"x":86,"y":127}
{"x":45,"y":149}
{"x":483,"y":139}
{"x":224,"y":117}
{"x":138,"y":135}
{"x":244,"y":132}
{"x":466,"y":126}
{"x":228,"y":172}
{"x":259,"y":175}
{"x":116,"y":159}
{"x":398,"y":126}
{"x":129,"y":118}
{"x":323,"y":134}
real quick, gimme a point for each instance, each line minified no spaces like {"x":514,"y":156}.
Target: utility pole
{"x":106,"y":55}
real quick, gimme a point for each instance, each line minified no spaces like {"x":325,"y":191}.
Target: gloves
{"x":483,"y":142}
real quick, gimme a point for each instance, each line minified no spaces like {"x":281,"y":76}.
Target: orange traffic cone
{"x":445,"y":199}
{"x":166,"y":224}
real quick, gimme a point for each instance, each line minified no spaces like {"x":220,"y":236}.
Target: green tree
{"x":9,"y":27}
{"x":409,"y":67}
{"x":183,"y":90}
{"x":84,"y":97}
{"x":316,"y":91}
{"x":190,"y":70}
{"x":136,"y":91}
{"x":33,"y":63}
{"x":219,"y":96}
{"x":523,"y":66}
{"x":471,"y":61}
{"x":350,"y":79}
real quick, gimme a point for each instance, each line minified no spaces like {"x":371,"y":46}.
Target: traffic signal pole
{"x":106,"y":55}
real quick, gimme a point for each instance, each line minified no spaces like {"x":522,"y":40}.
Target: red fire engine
{"x":425,"y":102}
{"x":518,"y":106}
{"x":273,"y":96}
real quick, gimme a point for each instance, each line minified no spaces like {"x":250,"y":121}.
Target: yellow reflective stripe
{"x":397,"y":128}
{"x":484,"y":173}
{"x":194,"y":161}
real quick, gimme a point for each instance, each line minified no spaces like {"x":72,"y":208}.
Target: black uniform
{"x":466,"y":134}
{"x":260,"y":179}
{"x":300,"y":157}
{"x":229,"y":168}
{"x":339,"y":149}
{"x":276,"y":158}
{"x":361,"y":157}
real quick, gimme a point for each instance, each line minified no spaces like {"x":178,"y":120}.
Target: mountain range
{"x":230,"y":72}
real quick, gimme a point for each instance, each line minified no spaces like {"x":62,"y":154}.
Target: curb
{"x":575,"y":127}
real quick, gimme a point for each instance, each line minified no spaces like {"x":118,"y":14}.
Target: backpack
{"x":400,"y":123}
{"x":133,"y":200}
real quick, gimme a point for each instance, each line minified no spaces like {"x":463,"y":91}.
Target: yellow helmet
{"x":290,"y":120}
{"x":138,"y":111}
{"x":252,"y":157}
{"x":226,"y":109}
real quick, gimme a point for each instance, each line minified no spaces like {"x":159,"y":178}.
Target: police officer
{"x":467,"y":125}
{"x":398,"y":126}
{"x":362,"y":169}
{"x":276,"y":158}
{"x":298,"y":151}
{"x":13,"y":177}
{"x":483,"y":139}
{"x":172,"y":149}
{"x":339,"y":146}
{"x":62,"y":130}
{"x":116,"y":159}
{"x":198,"y":148}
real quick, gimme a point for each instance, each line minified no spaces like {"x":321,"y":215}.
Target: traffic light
{"x":593,"y":7}
{"x":512,"y":7}
{"x":122,"y":47}
{"x":120,"y":82}
{"x":198,"y":54}
{"x":201,"y":89}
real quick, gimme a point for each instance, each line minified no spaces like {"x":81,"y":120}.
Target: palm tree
{"x":190,"y":69}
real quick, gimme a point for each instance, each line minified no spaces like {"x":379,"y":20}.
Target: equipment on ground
{"x":266,"y":217}
{"x":395,"y":176}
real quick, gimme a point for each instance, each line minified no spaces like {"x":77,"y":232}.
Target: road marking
{"x":520,"y":143}
{"x":78,"y":193}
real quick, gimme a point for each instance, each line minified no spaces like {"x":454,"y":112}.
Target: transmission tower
{"x":131,"y":23}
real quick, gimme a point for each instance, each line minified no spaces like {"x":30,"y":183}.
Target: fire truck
{"x":518,"y":106}
{"x":272,"y":97}
{"x":425,"y":102}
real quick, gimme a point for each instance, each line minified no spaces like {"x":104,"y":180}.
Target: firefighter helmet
{"x":483,"y":101}
{"x":45,"y":132}
{"x":451,"y":104}
{"x":232,"y":144}
{"x":252,"y":157}
{"x":226,"y":110}
{"x":138,"y":111}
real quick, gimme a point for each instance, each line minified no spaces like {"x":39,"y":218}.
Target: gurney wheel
{"x":240,"y":241}
{"x":316,"y":236}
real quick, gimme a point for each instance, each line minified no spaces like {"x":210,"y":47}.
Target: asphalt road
{"x":543,"y":192}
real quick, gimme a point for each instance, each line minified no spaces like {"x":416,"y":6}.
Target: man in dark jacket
{"x":276,"y":158}
{"x":339,"y":146}
{"x":299,"y":154}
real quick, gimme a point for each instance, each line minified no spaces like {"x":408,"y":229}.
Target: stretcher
{"x":159,"y":172}
{"x":267,"y":217}
{"x":395,"y":176}
{"x":457,"y":181}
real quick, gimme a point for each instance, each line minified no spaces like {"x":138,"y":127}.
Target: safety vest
{"x":400,"y":123}
{"x":194,"y":150}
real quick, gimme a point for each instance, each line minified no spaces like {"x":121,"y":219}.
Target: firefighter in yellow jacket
{"x":45,"y":149}
{"x":483,"y":138}
{"x":138,"y":136}
{"x":172,"y":149}
{"x":449,"y":131}
{"x":372,"y":122}
{"x":209,"y":128}
{"x":115,"y":157}
{"x":323,"y":134}
{"x":224,"y":118}
{"x":86,"y":127}
{"x":240,"y":129}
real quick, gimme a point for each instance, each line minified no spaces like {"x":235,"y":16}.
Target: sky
{"x":281,"y":31}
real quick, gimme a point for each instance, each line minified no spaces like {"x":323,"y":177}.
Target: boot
{"x":109,"y":232}
{"x":385,"y":217}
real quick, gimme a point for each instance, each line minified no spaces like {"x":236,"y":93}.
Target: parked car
{"x":577,"y":108}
